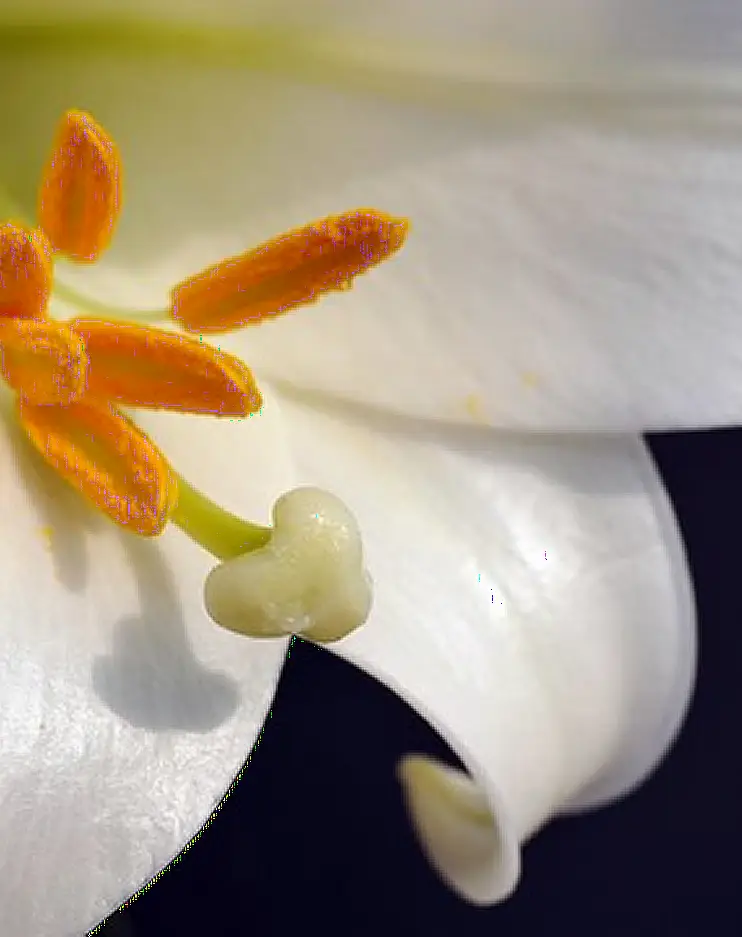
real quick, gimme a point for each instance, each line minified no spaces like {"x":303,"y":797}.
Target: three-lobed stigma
{"x":309,"y":579}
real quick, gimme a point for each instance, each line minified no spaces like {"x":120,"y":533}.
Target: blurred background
{"x":314,"y":837}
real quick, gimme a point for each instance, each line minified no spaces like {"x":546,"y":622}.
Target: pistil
{"x":222,"y":534}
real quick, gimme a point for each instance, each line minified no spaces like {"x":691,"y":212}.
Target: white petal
{"x":600,"y":32}
{"x":125,"y":713}
{"x":454,"y":824}
{"x":566,"y":277}
{"x":531,"y":602}
{"x":231,"y":12}
{"x":573,"y":262}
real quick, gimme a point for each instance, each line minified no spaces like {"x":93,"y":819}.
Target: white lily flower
{"x":572,"y":267}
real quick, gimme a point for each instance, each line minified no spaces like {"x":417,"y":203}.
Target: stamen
{"x":26,"y":272}
{"x":145,"y":367}
{"x":43,"y":360}
{"x":108,"y":460}
{"x":80,"y":195}
{"x":291,"y":270}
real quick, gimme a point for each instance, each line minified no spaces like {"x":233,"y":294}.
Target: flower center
{"x":305,"y":574}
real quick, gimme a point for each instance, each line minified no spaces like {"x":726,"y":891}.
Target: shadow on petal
{"x":152,"y":678}
{"x":65,"y":519}
{"x":482,"y":442}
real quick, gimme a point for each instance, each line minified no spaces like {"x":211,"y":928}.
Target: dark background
{"x":314,"y":838}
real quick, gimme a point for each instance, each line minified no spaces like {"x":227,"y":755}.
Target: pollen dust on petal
{"x":474,"y":406}
{"x":47,"y":535}
{"x":530,"y":379}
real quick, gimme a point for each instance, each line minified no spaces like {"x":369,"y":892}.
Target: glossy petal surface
{"x":531,"y":601}
{"x":124,"y":712}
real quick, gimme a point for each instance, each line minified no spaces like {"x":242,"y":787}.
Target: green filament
{"x":219,"y":532}
{"x":95,"y":307}
{"x":67,"y":294}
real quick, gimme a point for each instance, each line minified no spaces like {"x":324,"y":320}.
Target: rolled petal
{"x":43,"y":360}
{"x":531,"y":601}
{"x":25,"y":272}
{"x":80,"y":194}
{"x":107,"y":459}
{"x":138,"y":366}
{"x":455,"y":824}
{"x":124,"y":713}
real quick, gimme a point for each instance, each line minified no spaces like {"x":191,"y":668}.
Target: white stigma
{"x":309,"y":579}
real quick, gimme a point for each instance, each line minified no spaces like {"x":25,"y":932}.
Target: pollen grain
{"x":80,"y":193}
{"x":26,"y":272}
{"x":108,"y":460}
{"x":138,"y":366}
{"x":291,"y":270}
{"x":43,"y":360}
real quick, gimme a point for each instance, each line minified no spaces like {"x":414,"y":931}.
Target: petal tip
{"x":457,"y":830}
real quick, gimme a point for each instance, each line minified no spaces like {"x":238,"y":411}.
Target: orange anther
{"x":80,"y":195}
{"x":107,"y":459}
{"x":146,"y":367}
{"x":25,"y":272}
{"x":291,"y":270}
{"x":43,"y":360}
